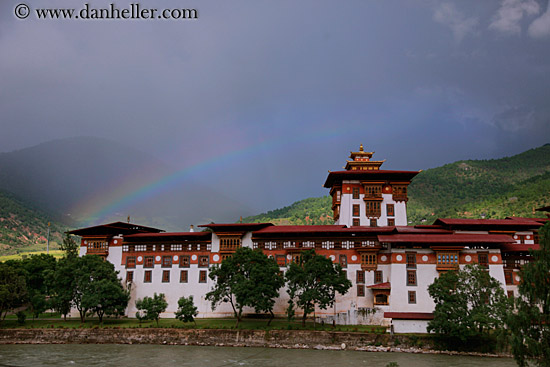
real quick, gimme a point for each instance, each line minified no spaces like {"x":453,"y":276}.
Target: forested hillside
{"x":23,"y":228}
{"x":496,"y":188}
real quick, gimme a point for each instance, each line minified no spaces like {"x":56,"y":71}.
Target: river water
{"x":168,"y":355}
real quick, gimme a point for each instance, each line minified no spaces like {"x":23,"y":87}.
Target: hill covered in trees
{"x":495,"y":188}
{"x":24,"y":228}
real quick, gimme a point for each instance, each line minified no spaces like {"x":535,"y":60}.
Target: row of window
{"x":166,"y":262}
{"x":148,"y":276}
{"x":191,"y":246}
{"x":390,"y":209}
{"x":382,"y":298}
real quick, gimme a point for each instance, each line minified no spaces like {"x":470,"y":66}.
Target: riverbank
{"x":290,"y":339}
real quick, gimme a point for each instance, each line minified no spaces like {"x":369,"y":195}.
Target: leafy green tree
{"x":37,"y":269}
{"x":248,"y":278}
{"x":468,"y":303}
{"x":151,"y":308}
{"x":97,"y":288}
{"x":530,"y":323}
{"x":13,"y":289}
{"x":62,"y":285}
{"x":313,"y":281}
{"x":187,"y":311}
{"x":69,"y":245}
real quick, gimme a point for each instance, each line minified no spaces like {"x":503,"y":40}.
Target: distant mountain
{"x":71,"y":179}
{"x":24,"y":228}
{"x":496,"y":188}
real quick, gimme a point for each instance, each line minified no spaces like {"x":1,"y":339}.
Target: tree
{"x":187,"y":311}
{"x":313,"y":281}
{"x":248,"y":278}
{"x":69,"y":245}
{"x":37,"y":269}
{"x":97,"y":288}
{"x":530,"y":323}
{"x":13,"y":289}
{"x":468,"y":303}
{"x":151,"y":307}
{"x":62,"y":286}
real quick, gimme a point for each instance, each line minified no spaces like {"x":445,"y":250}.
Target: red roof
{"x":331,"y":229}
{"x":338,"y":176}
{"x":175,"y":236}
{"x":522,"y":222}
{"x":423,"y":229}
{"x":113,"y":229}
{"x":519,"y":247}
{"x":386,"y":285}
{"x":409,"y":315}
{"x":236,"y":227}
{"x":446,"y":238}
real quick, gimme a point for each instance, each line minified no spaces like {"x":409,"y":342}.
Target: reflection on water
{"x":164,"y":355}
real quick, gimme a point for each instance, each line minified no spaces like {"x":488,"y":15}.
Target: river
{"x":166,"y":355}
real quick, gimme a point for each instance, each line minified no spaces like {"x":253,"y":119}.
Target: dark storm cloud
{"x":422,"y":83}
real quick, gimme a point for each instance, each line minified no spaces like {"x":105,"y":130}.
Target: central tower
{"x":365,"y":195}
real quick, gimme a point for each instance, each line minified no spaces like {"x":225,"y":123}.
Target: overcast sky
{"x":269,"y":95}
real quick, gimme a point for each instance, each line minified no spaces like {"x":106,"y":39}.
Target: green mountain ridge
{"x":495,"y":188}
{"x":24,"y":228}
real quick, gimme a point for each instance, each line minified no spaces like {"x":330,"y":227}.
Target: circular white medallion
{"x":115,"y":242}
{"x":332,"y":257}
{"x":175,"y":257}
{"x":289,"y":257}
{"x":494,"y":258}
{"x":216,"y":257}
{"x":194,"y":257}
{"x":516,"y":237}
{"x":527,"y":237}
{"x":399,"y":258}
{"x":85,"y":242}
{"x":518,"y":278}
{"x":424,"y":258}
{"x":157,"y":258}
{"x":354,"y":258}
{"x":383,"y":258}
{"x":140,"y":258}
{"x":468,"y":258}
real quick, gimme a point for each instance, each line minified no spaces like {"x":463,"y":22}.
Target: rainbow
{"x":125,"y":192}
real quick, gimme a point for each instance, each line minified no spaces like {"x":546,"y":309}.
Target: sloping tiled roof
{"x":338,"y":176}
{"x":114,"y":229}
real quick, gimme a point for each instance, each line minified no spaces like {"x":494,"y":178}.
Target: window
{"x":281,"y":260}
{"x":356,"y":210}
{"x":184,"y":276}
{"x":447,"y":260}
{"x":148,"y":276}
{"x":202,"y":276}
{"x":360,"y":290}
{"x":129,"y":276}
{"x":149,"y":262}
{"x":483,"y":260}
{"x":411,"y":277}
{"x":360,"y":276}
{"x":343,"y":261}
{"x":373,"y":223}
{"x":184,"y":261}
{"x":355,"y":193}
{"x":203,"y":261}
{"x":391,"y":222}
{"x":509,"y":277}
{"x":381,"y":299}
{"x":131,"y":262}
{"x":372,"y":208}
{"x":510,"y":294}
{"x":356,"y":222}
{"x":230,"y":243}
{"x":167,"y":261}
{"x":399,"y":193}
{"x":378,"y":276}
{"x":390,"y":210}
{"x":368,"y":260}
{"x":373,"y":191}
{"x":411,"y":260}
{"x":412,"y":296}
{"x":166,"y":276}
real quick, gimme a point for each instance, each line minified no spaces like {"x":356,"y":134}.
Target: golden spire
{"x":361,"y":147}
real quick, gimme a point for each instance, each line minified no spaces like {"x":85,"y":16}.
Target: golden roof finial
{"x":361,"y":147}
